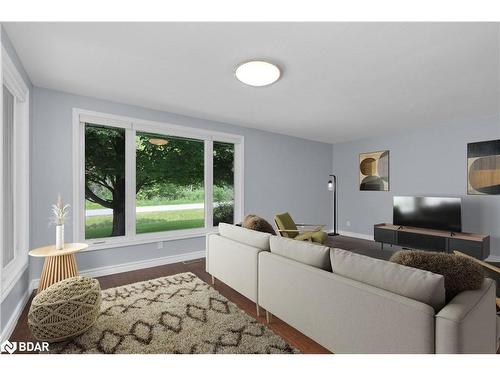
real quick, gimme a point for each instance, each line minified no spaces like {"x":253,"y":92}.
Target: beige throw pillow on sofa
{"x":423,"y":286}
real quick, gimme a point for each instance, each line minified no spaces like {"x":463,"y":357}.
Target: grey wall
{"x":282,"y":173}
{"x":426,"y":162}
{"x":11,"y":301}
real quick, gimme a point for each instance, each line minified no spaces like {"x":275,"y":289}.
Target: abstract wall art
{"x":374,"y":171}
{"x":483,"y":168}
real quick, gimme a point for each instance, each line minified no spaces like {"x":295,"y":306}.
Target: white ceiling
{"x":341,"y":81}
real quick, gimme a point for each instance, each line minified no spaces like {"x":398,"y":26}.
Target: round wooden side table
{"x":58,"y":264}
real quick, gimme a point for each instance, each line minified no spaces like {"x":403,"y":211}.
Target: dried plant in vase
{"x":59,"y":213}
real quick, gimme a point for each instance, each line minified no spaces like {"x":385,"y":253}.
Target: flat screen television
{"x":428,"y":212}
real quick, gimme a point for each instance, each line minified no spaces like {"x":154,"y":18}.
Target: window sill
{"x":149,"y":238}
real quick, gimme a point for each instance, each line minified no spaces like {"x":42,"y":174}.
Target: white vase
{"x":59,"y":237}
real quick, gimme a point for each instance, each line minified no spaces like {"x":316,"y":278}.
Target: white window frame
{"x":14,"y":82}
{"x":131,"y":126}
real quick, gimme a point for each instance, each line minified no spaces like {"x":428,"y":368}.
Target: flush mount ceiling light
{"x":257,"y":73}
{"x":158,"y":141}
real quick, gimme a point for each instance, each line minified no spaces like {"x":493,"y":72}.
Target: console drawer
{"x":417,"y":241}
{"x":384,"y":235}
{"x":472,"y":248}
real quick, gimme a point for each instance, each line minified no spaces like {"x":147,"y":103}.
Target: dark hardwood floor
{"x":288,"y":333}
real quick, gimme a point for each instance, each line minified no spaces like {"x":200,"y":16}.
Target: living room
{"x":250,"y":187}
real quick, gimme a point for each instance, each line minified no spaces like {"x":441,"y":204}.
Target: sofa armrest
{"x":467,"y":324}
{"x":233,"y":263}
{"x":498,"y":331}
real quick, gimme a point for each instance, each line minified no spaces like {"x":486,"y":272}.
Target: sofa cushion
{"x":257,"y":223}
{"x":420,"y":285}
{"x":246,"y":236}
{"x":304,"y":252}
{"x":460,"y":273}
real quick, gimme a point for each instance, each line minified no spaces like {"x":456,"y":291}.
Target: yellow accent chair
{"x":301,"y":232}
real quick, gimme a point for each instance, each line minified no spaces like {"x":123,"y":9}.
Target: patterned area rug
{"x":174,"y":314}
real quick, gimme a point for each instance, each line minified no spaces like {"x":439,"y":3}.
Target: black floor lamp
{"x":332,"y":186}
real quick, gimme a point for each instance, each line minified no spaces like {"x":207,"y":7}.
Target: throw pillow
{"x":459,"y":273}
{"x":257,"y":223}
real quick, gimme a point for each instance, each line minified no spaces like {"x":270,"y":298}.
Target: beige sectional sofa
{"x":351,"y":303}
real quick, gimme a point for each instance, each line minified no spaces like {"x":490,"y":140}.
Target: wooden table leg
{"x":57,"y":268}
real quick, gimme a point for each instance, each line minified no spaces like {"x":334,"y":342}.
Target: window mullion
{"x":238,"y":182}
{"x":79,"y":199}
{"x":130,"y":183}
{"x":209,"y":170}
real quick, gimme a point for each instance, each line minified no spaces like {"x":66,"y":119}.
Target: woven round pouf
{"x":65,"y":309}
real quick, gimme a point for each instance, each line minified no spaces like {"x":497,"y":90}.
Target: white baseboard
{"x":493,"y":258}
{"x":356,"y":235}
{"x":11,"y":324}
{"x":132,"y":266}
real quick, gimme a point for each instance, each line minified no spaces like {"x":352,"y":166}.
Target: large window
{"x":14,"y":168}
{"x":146,"y":182}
